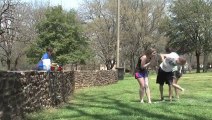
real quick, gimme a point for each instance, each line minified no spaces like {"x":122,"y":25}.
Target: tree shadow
{"x":123,"y":109}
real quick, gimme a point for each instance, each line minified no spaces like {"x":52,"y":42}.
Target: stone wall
{"x":94,"y":78}
{"x":28,"y":91}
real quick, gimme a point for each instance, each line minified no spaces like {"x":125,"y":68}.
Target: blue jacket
{"x":40,"y":65}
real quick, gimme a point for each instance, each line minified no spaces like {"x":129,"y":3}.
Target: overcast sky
{"x":67,"y":4}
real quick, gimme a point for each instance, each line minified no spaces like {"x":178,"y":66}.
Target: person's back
{"x":169,"y":62}
{"x":45,"y":62}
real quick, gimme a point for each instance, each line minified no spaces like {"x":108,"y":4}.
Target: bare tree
{"x":17,"y":24}
{"x":100,"y":18}
{"x":140,"y":21}
{"x":139,"y":27}
{"x":5,"y":9}
{"x":6,"y":20}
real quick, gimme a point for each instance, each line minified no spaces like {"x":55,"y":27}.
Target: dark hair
{"x":169,"y":49}
{"x":49,"y":49}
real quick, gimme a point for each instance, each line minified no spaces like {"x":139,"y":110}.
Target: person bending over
{"x":165,"y":72}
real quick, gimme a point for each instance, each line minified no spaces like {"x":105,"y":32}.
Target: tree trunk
{"x":190,"y":62}
{"x":205,"y":62}
{"x":76,"y":66}
{"x":132,"y":65}
{"x":8,"y":64}
{"x":16,"y":63}
{"x":17,"y":60}
{"x":198,"y":61}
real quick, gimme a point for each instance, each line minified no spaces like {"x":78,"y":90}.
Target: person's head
{"x":150,"y":52}
{"x":181,"y":61}
{"x":169,"y":49}
{"x":49,"y":50}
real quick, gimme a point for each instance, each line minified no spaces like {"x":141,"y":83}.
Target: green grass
{"x":121,"y":102}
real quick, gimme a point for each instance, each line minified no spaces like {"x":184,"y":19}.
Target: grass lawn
{"x":121,"y":102}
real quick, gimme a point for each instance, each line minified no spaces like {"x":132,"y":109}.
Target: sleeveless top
{"x":139,"y":68}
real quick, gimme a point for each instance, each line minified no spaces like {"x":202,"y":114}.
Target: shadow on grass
{"x":121,"y":110}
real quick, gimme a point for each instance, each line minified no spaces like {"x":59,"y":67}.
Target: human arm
{"x":163,"y":56}
{"x":144,"y":63}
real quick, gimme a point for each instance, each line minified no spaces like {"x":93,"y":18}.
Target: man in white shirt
{"x":165,"y":72}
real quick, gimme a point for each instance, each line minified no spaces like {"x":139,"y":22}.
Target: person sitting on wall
{"x":45,"y":62}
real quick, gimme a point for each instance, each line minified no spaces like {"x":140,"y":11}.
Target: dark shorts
{"x":164,"y":77}
{"x":141,"y":74}
{"x":177,"y":74}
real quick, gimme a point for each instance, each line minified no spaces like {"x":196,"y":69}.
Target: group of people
{"x":168,"y":72}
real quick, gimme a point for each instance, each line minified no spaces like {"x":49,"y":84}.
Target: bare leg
{"x":141,"y":94}
{"x":141,"y":90}
{"x":161,"y":91}
{"x":176,"y":90}
{"x":170,"y":92}
{"x":147,"y":90}
{"x":148,"y":94}
{"x":177,"y":87}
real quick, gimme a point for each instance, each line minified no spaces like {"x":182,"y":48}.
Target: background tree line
{"x":90,"y":34}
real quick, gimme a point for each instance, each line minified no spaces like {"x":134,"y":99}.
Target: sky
{"x":67,"y":4}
